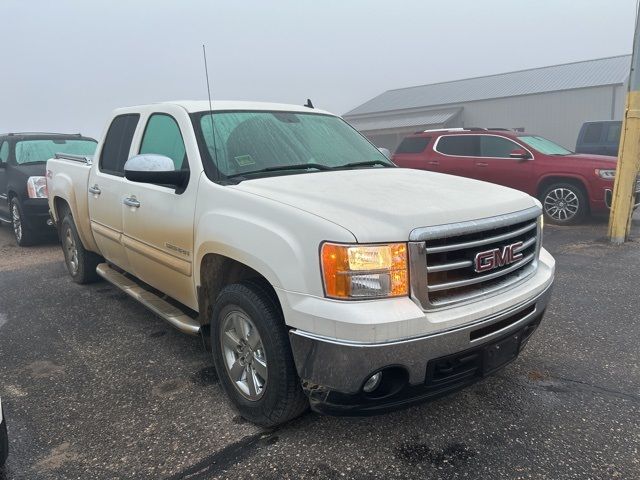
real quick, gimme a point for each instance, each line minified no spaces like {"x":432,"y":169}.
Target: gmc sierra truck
{"x":317,"y":271}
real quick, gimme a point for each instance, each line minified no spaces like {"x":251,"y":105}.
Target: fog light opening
{"x":372,"y":382}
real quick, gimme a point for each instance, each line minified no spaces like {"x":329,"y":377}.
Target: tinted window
{"x":162,"y":136}
{"x":115,"y":151}
{"x":462,"y":145}
{"x":4,"y":152}
{"x":496,"y":146}
{"x":613,"y":133}
{"x":31,"y":151}
{"x":592,"y":133}
{"x":413,"y":145}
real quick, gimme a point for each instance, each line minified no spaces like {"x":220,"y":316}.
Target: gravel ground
{"x":97,"y":387}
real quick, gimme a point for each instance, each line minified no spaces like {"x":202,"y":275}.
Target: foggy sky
{"x":67,"y":64}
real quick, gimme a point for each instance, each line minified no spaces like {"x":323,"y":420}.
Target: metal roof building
{"x":550,"y":101}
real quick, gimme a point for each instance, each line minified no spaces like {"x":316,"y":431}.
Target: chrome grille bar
{"x":483,"y":278}
{"x":484,"y":241}
{"x":449,"y":266}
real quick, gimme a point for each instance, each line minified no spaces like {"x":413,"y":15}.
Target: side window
{"x":115,"y":151}
{"x":4,"y":152}
{"x":460,"y":145}
{"x":592,"y":133}
{"x":413,"y":145}
{"x":162,"y":136}
{"x":613,"y":133}
{"x":496,"y":146}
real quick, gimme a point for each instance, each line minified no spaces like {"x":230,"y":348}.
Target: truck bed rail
{"x":86,"y":159}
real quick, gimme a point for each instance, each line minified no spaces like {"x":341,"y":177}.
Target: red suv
{"x":569,"y":185}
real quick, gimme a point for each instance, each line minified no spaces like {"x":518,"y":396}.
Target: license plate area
{"x":497,"y":355}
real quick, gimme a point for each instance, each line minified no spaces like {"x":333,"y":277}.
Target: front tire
{"x":564,"y":203}
{"x":81,"y":263}
{"x":22,"y":233}
{"x":252,"y":355}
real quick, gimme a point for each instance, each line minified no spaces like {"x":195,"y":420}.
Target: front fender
{"x":278,"y":241}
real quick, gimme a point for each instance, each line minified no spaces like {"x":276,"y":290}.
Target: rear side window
{"x":491,"y":146}
{"x":4,"y":152}
{"x":592,"y":133}
{"x":115,"y":151}
{"x":413,"y":145}
{"x":613,"y":133}
{"x":459,"y":145}
{"x":162,"y":136}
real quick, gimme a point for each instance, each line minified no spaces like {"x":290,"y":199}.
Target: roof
{"x":431,"y":117}
{"x":589,"y":73}
{"x":193,"y":106}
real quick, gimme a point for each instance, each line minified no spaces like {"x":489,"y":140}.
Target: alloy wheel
{"x":71,"y":252}
{"x":244,"y":355}
{"x":561,"y":204}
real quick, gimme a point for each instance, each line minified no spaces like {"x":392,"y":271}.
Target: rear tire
{"x":252,"y":355}
{"x":80,"y":262}
{"x":564,"y":203}
{"x":22,"y":233}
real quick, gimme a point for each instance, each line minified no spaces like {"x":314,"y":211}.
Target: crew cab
{"x":23,"y":189}
{"x":569,"y":185}
{"x":316,"y":270}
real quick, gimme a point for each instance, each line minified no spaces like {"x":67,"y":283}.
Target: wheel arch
{"x":216,"y":271}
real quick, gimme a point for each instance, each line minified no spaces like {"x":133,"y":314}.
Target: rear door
{"x":496,"y":166}
{"x":413,"y":153}
{"x":158,"y":232}
{"x":106,"y":189}
{"x":611,"y":138}
{"x":455,"y":154}
{"x":4,"y":157}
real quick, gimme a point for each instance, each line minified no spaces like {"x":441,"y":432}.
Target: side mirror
{"x":520,"y":154}
{"x":157,"y":169}
{"x":385,"y":151}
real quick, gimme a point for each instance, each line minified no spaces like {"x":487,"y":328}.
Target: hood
{"x":596,"y":161}
{"x":386,"y":204}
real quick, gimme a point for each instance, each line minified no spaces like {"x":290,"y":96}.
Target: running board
{"x":153,"y":302}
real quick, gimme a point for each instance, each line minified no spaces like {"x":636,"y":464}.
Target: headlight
{"x":606,"y":174}
{"x":365,"y":271}
{"x":37,"y":187}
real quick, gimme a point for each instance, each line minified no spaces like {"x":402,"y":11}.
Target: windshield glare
{"x":544,"y":146}
{"x":31,"y":151}
{"x":249,"y":141}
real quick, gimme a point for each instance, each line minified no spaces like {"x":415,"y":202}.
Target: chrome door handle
{"x":482,"y":164}
{"x":95,"y":190}
{"x":433,"y":162}
{"x":131,"y":202}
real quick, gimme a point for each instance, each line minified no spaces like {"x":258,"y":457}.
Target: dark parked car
{"x":601,"y":138}
{"x":23,"y":185}
{"x":4,"y":439}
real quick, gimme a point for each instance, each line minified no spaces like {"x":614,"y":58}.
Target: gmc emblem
{"x":498,"y":257}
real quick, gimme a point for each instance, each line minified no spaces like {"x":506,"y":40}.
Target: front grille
{"x":444,"y":267}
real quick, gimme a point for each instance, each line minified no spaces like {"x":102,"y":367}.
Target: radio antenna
{"x":206,"y":72}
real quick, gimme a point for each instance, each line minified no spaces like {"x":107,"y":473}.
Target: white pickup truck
{"x":318,"y":272}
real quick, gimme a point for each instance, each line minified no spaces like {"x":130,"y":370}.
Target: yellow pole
{"x":627,"y":171}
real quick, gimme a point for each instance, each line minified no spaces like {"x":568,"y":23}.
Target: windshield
{"x":252,"y":141}
{"x":544,"y":146}
{"x":31,"y":151}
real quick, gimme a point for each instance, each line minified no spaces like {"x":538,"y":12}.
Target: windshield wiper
{"x":298,"y":166}
{"x":369,"y":163}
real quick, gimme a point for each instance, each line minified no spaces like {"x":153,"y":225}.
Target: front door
{"x":496,"y":166}
{"x":158,"y":220}
{"x":4,"y":157}
{"x":106,"y":189}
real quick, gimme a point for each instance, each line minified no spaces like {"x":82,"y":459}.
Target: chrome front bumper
{"x":326,"y":365}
